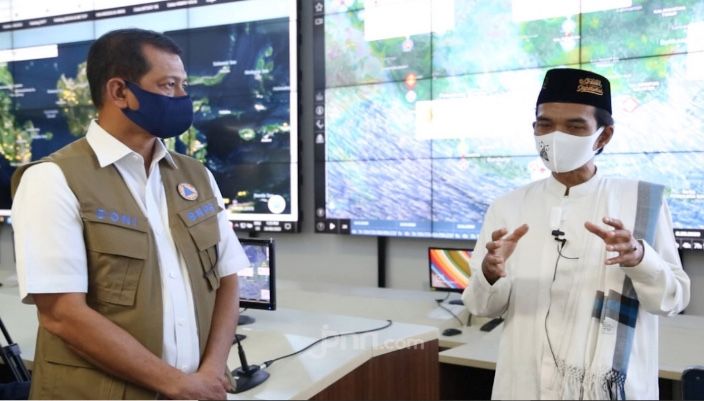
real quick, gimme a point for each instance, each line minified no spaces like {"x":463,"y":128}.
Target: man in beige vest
{"x":123,"y":246}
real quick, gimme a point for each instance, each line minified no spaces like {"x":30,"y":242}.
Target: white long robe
{"x":525,"y":365}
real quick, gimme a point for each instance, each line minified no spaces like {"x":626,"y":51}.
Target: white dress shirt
{"x":51,"y":253}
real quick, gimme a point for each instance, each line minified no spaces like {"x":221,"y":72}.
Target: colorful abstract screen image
{"x":424,"y":108}
{"x":242,"y":73}
{"x":449,"y":268}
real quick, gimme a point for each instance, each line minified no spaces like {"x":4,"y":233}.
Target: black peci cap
{"x":570,"y":85}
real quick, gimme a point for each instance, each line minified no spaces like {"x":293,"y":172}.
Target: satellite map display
{"x":240,"y":84}
{"x":240,"y":77}
{"x":44,"y":105}
{"x":254,"y":281}
{"x":422,"y":150}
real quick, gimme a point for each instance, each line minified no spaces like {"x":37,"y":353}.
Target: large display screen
{"x":423,"y":108}
{"x":241,"y":59}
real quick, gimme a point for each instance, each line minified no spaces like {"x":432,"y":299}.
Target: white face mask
{"x":562,"y":152}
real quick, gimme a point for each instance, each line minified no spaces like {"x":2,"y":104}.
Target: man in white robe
{"x":579,"y":265}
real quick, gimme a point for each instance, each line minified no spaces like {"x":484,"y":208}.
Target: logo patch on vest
{"x":115,"y":217}
{"x":201,"y":212}
{"x":187,"y":191}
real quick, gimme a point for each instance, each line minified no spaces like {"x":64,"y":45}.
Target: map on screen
{"x":242,"y":74}
{"x":427,"y":105}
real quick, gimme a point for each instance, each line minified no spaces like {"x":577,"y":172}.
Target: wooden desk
{"x":680,"y":336}
{"x":680,"y":346}
{"x":396,"y":363}
{"x":409,"y":306}
{"x":399,"y":362}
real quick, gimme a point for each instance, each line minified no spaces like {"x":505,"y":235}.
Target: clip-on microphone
{"x":247,"y":376}
{"x":557,"y":234}
{"x":555,"y":222}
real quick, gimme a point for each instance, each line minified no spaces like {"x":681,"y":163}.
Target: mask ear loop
{"x":127,"y":87}
{"x":598,"y":133}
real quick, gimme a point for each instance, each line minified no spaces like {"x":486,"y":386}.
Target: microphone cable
{"x":560,"y":246}
{"x":268,"y":363}
{"x":440,"y":301}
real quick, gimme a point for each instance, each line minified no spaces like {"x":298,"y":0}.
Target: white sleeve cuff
{"x":648,"y":268}
{"x":484,"y":284}
{"x":57,"y":285}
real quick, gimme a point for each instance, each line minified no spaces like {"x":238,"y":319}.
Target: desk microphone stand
{"x":247,"y":376}
{"x":10,"y":355}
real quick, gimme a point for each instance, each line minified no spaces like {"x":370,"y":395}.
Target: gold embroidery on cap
{"x":590,"y":85}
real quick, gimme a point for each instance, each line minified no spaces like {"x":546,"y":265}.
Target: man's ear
{"x":116,"y":93}
{"x":604,"y":138}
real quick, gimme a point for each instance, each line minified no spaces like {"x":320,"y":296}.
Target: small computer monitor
{"x":449,"y":268}
{"x":257,"y":282}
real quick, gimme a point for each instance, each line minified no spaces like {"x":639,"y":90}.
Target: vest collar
{"x":109,"y":149}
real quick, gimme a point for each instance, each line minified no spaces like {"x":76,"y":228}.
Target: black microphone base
{"x":250,"y":379}
{"x":244,"y":319}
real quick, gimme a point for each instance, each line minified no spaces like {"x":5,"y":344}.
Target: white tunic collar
{"x":558,"y":189}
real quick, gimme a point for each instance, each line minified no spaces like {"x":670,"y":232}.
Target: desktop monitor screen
{"x":449,"y":268}
{"x":257,"y":282}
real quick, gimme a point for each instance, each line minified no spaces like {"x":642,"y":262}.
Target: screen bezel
{"x":251,"y":304}
{"x":430,"y":267}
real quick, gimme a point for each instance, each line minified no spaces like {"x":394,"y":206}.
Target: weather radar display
{"x":423,"y":108}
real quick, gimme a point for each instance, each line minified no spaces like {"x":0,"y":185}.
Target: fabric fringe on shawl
{"x":591,"y":386}
{"x":572,"y":378}
{"x":613,"y":320}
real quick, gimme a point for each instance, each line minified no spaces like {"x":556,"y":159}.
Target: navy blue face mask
{"x":159,"y":115}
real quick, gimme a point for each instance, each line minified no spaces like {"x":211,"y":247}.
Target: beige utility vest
{"x":124,"y":283}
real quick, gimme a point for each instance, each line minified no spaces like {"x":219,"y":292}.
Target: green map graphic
{"x":15,"y":139}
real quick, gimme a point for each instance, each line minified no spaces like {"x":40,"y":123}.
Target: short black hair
{"x":603,"y":117}
{"x":119,"y":54}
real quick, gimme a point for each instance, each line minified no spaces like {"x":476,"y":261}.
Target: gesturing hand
{"x":630,"y":250}
{"x":499,"y":250}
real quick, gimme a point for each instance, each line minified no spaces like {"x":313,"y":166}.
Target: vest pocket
{"x":79,"y":383}
{"x":116,"y":255}
{"x":202,"y":224}
{"x":206,"y":235}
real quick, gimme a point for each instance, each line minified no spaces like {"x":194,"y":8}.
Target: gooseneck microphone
{"x":247,"y":376}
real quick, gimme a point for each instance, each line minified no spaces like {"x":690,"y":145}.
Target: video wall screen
{"x":241,"y":60}
{"x":423,"y":108}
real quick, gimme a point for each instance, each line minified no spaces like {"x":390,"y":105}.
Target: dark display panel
{"x":242,"y":79}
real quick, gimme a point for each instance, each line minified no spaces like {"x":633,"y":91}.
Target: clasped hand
{"x":203,"y":385}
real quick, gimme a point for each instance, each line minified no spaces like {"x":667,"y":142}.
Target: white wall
{"x":353,"y":260}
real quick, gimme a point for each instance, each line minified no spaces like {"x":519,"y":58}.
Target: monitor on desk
{"x":449,"y":268}
{"x":257,"y":282}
